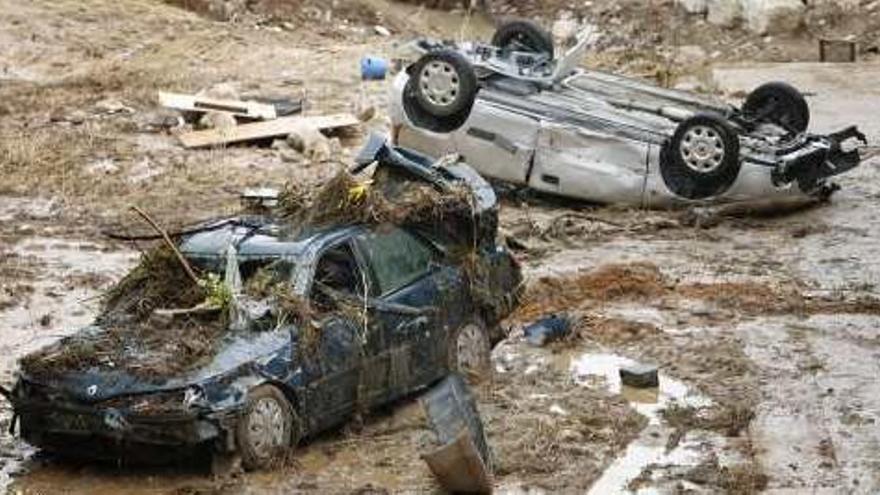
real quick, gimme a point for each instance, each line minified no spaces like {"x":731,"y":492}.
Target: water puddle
{"x":595,"y":369}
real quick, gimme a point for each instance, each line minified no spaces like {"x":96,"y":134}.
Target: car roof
{"x":260,"y":237}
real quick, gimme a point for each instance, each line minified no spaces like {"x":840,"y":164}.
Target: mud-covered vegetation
{"x":386,"y":198}
{"x":558,"y":438}
{"x":159,"y":281}
{"x":645,"y":282}
{"x":126,"y":337}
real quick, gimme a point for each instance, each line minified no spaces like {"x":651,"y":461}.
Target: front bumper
{"x":820,"y":158}
{"x":111,"y":433}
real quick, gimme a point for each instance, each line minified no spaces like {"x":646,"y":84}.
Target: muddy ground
{"x":765,"y":329}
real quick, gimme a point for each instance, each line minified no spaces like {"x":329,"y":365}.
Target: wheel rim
{"x":265,"y":427}
{"x":702,"y":149}
{"x":439,"y":83}
{"x":470,"y":348}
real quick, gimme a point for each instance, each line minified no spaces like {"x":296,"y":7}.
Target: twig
{"x":169,"y":242}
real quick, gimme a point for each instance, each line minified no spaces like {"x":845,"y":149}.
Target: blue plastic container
{"x":373,"y":68}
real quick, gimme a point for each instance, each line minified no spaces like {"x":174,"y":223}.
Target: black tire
{"x":431,"y":105}
{"x":702,"y":158}
{"x":779,"y":103}
{"x":469,"y":351}
{"x":523,"y":35}
{"x":254,"y":453}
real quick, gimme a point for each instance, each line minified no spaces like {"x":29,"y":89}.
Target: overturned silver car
{"x":521,"y":116}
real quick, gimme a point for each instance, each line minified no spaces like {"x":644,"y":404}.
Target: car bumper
{"x":113,"y":433}
{"x":821,"y":158}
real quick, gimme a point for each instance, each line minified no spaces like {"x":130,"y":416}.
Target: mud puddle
{"x":819,"y":419}
{"x":66,"y":286}
{"x":65,"y":296}
{"x":650,"y":447}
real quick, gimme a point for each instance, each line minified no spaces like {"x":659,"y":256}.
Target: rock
{"x":159,"y":120}
{"x":171,"y":122}
{"x":382,"y":30}
{"x":773,"y":16}
{"x":112,"y":106}
{"x":217,"y":120}
{"x":286,"y":153}
{"x":639,"y":376}
{"x":310,"y":142}
{"x":694,"y":6}
{"x":725,"y":13}
{"x":46,"y":320}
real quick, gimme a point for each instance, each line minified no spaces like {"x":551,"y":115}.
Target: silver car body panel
{"x":572,"y":143}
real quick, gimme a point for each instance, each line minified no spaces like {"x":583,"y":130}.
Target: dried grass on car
{"x":387,"y":198}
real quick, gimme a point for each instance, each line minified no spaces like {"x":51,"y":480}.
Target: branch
{"x":169,"y":242}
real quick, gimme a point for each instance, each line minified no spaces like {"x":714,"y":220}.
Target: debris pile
{"x":157,"y":282}
{"x":226,"y":119}
{"x":384,"y":199}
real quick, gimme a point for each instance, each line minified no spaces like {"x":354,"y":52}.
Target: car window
{"x":396,"y":258}
{"x":336,"y":273}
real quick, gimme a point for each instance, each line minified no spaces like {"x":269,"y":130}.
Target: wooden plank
{"x":267,"y":129}
{"x":250,"y":109}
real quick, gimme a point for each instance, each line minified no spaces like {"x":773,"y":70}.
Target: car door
{"x":405,"y":299}
{"x":498,"y":143}
{"x":347,"y":350}
{"x":589,"y":164}
{"x":336,"y":355}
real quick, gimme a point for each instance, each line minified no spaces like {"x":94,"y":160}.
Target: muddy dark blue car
{"x":398,"y":308}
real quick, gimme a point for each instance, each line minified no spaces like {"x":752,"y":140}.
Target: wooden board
{"x":194,"y":103}
{"x":262,"y":130}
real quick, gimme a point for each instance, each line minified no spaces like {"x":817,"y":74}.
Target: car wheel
{"x":441,"y":91}
{"x":267,"y":429}
{"x":779,"y":103}
{"x":470,"y":352}
{"x":702,"y":158}
{"x":522,"y":35}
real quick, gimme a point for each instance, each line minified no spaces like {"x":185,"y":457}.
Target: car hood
{"x":257,"y":353}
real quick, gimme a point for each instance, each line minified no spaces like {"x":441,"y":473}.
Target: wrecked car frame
{"x":524,"y":118}
{"x":399,"y":312}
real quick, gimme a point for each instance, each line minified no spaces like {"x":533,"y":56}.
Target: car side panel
{"x":589,"y":165}
{"x":331,"y":397}
{"x":498,"y":143}
{"x":410,"y":336}
{"x":754,"y":182}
